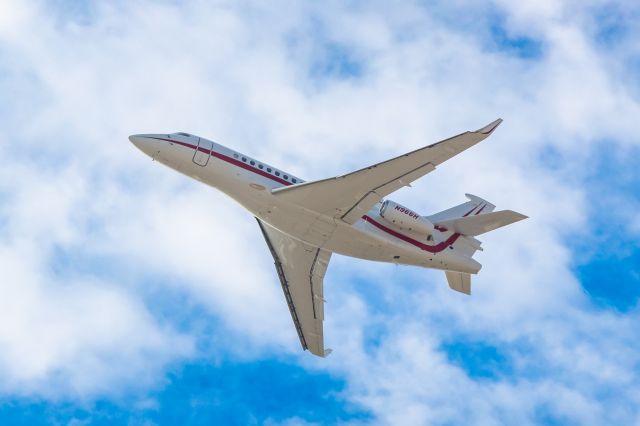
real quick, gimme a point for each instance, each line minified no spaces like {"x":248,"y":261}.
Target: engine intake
{"x":405,"y":218}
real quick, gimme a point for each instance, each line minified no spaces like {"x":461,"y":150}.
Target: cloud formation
{"x":91,"y":232}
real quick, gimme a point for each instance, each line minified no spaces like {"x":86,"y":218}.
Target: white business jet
{"x":304,"y":223}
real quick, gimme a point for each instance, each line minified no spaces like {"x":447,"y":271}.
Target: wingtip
{"x":489,"y":128}
{"x":519,"y":216}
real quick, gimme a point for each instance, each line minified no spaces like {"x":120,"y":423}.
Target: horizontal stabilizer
{"x":459,"y":281}
{"x":477,"y":225}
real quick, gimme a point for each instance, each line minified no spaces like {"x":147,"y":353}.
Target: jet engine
{"x":405,"y":218}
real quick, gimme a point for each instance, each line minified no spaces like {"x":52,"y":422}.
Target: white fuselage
{"x":250,"y":183}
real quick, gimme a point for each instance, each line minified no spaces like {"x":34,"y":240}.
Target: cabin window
{"x":277,"y":173}
{"x":260,"y":166}
{"x":269,"y":169}
{"x":286,"y":177}
{"x":235,"y":155}
{"x":294,"y":180}
{"x":253,"y":163}
{"x":244,"y":159}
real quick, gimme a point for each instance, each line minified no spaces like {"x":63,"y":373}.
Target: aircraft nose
{"x":137,"y":140}
{"x":145,"y":144}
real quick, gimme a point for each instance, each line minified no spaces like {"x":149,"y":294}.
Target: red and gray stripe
{"x":426,"y":247}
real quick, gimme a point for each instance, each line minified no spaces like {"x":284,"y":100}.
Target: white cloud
{"x":13,"y":16}
{"x":75,"y":338}
{"x":67,"y":335}
{"x":243,"y":75}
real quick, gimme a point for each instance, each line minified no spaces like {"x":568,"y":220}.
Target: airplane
{"x":304,"y":223}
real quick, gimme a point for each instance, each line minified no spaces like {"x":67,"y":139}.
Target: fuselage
{"x":250,"y":182}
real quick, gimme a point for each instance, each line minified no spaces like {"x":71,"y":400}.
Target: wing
{"x":350,"y":196}
{"x":301,"y":270}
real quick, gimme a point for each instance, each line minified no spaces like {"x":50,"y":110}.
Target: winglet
{"x":489,"y":128}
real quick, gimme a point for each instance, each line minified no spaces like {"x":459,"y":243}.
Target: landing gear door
{"x":203,"y":152}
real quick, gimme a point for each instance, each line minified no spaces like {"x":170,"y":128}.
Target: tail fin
{"x":459,"y":281}
{"x":470,"y":219}
{"x":466,"y":245}
{"x":475,"y":205}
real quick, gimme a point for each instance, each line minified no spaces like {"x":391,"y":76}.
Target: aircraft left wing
{"x":301,"y":270}
{"x":351,"y":196}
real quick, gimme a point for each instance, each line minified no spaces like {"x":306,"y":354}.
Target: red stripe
{"x":432,"y":249}
{"x":230,"y":160}
{"x":469,"y":212}
{"x":443,"y":229}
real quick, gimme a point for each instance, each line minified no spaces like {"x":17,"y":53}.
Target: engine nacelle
{"x":405,"y":218}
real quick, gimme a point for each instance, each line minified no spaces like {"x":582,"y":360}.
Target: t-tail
{"x":470,"y":219}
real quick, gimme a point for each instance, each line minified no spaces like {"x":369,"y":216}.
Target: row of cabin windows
{"x":261,"y":167}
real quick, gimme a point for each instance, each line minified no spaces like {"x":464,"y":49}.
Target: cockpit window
{"x":184,"y":134}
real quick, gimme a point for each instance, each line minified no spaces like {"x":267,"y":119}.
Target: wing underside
{"x":301,"y":269}
{"x":350,"y":196}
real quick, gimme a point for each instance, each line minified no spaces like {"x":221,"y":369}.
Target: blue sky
{"x":132,"y":295}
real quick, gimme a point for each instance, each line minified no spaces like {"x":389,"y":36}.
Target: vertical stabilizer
{"x":475,"y":205}
{"x":459,"y":281}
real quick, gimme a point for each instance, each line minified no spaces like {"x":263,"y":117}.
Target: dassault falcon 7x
{"x":304,"y":223}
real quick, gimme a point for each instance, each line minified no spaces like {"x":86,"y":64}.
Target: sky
{"x":133,"y":295}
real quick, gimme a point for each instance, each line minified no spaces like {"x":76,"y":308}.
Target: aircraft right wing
{"x":351,"y":196}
